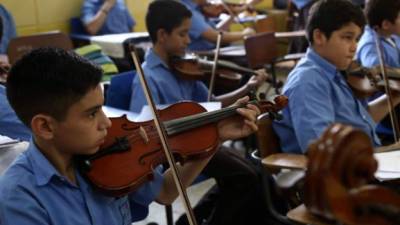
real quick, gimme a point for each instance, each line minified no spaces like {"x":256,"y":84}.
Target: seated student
{"x":383,"y":18}
{"x":8,"y":29}
{"x":317,"y":90}
{"x":239,"y":198}
{"x":106,"y":17}
{"x":203,"y":33}
{"x":10,"y":125}
{"x":58,"y":95}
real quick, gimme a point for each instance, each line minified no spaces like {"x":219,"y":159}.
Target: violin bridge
{"x":143,"y":134}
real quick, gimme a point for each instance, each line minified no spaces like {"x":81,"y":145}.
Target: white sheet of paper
{"x":112,"y":44}
{"x":388,"y":165}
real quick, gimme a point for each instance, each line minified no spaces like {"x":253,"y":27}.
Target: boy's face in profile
{"x":340,"y":48}
{"x":177,"y":41}
{"x":85,"y":126}
{"x":394,"y":28}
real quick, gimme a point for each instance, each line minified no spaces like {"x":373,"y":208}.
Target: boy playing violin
{"x":238,"y":181}
{"x":58,"y":95}
{"x":383,"y":17}
{"x":317,"y":90}
{"x":203,"y":32}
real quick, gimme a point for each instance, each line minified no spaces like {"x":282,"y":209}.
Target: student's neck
{"x":63,"y":163}
{"x":159,"y":50}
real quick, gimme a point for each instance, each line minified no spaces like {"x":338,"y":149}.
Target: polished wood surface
{"x":285,"y":161}
{"x":301,"y":215}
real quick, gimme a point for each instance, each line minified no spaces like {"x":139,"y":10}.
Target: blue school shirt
{"x":119,"y":19}
{"x":10,"y":124}
{"x":165,"y":86}
{"x":367,"y":54}
{"x":9,"y":30}
{"x":199,"y":25}
{"x":318,"y":97}
{"x":33,"y":192}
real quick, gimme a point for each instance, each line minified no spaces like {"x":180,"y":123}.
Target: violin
{"x":194,"y":68}
{"x":367,"y":81}
{"x":132,"y":149}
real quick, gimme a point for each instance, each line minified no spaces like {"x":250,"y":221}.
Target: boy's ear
{"x":318,"y":37}
{"x":43,"y":126}
{"x":161,"y":35}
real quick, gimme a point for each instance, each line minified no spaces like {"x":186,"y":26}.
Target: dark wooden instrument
{"x":340,"y":166}
{"x":132,"y":150}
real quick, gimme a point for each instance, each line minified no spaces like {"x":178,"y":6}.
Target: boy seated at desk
{"x":318,"y":92}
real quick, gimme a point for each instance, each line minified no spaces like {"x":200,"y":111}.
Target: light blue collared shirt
{"x":165,"y":86}
{"x":199,"y":25}
{"x":10,"y":124}
{"x":9,"y":30}
{"x":367,"y":54}
{"x":119,"y":19}
{"x":318,"y":96}
{"x":33,"y":192}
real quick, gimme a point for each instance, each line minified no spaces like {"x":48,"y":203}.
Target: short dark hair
{"x":49,"y":81}
{"x":377,"y":11}
{"x":331,"y":15}
{"x":165,"y":14}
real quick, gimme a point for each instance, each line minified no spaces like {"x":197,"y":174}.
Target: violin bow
{"x":393,"y":117}
{"x":163,"y":137}
{"x":214,"y":67}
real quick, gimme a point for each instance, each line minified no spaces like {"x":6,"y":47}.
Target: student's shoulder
{"x":17,"y":178}
{"x":306,"y":73}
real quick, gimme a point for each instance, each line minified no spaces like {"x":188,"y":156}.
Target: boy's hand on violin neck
{"x":239,"y":126}
{"x":257,"y":80}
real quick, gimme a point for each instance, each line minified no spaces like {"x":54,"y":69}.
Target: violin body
{"x":367,"y":81}
{"x":121,"y":172}
{"x":132,"y":150}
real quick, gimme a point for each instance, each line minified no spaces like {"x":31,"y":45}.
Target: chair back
{"x":120,"y":90}
{"x":22,"y":45}
{"x":268,"y":140}
{"x":266,"y":24}
{"x":77,"y":26}
{"x":261,"y":49}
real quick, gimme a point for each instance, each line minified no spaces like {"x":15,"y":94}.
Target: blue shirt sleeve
{"x":88,"y":11}
{"x":129,"y":18}
{"x":19,"y":207}
{"x":199,"y":25}
{"x":311,"y":108}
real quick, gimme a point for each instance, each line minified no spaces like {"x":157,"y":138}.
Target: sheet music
{"x":388,"y":165}
{"x":112,"y":44}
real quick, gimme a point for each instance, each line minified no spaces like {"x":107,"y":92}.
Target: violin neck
{"x":228,"y":65}
{"x":179,"y":125}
